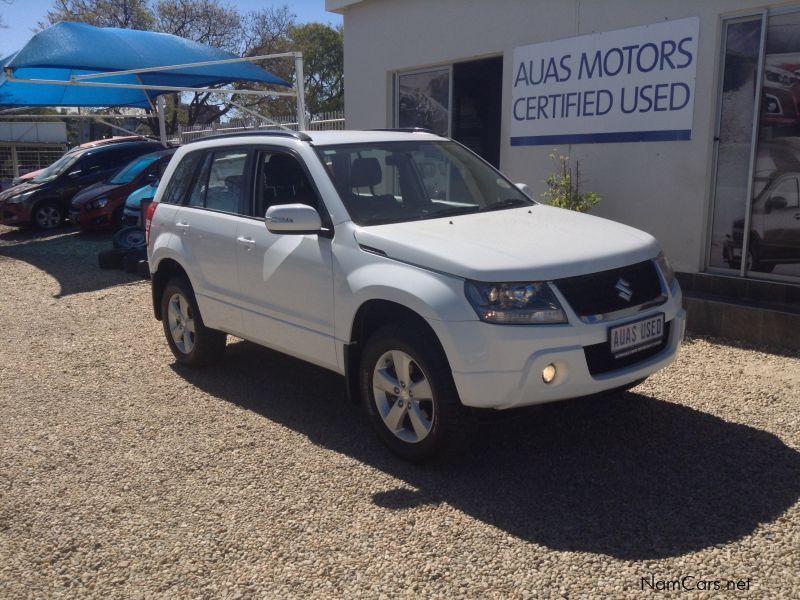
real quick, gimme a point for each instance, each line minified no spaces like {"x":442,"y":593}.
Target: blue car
{"x":136,"y":205}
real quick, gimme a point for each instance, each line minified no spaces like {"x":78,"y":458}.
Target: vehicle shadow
{"x":628,"y":476}
{"x":67,"y":255}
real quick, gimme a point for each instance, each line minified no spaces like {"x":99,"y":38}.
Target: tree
{"x":204,"y":21}
{"x":323,"y":64}
{"x":125,"y":14}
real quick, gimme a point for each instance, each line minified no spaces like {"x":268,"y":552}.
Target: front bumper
{"x":91,"y":219}
{"x":15,"y":214}
{"x":500,"y":367}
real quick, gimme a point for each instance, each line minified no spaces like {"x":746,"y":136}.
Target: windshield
{"x":133,"y":170}
{"x":57,"y":168}
{"x":392,"y":182}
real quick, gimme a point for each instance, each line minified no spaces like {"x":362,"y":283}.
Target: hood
{"x":94,"y":191}
{"x":147,"y":192}
{"x":18,"y":189}
{"x":536,"y":243}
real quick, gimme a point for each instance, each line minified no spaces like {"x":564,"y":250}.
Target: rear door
{"x":206,"y":227}
{"x":286,"y":280}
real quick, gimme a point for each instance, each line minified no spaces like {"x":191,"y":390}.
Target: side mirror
{"x":293,"y":218}
{"x":775,"y":202}
{"x":523,"y":187}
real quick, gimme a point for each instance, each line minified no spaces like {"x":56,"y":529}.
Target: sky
{"x":23,"y":15}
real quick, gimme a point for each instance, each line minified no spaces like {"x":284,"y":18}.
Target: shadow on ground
{"x":67,"y":255}
{"x":628,"y":476}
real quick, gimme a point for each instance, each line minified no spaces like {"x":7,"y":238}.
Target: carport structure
{"x":78,"y":65}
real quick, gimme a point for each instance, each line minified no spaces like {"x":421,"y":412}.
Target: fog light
{"x":549,"y":373}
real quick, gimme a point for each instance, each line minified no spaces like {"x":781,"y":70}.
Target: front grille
{"x":600,"y":293}
{"x":600,"y":360}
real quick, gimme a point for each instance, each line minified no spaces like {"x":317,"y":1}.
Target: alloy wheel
{"x":181,"y":323}
{"x":403,"y":396}
{"x":48,"y":217}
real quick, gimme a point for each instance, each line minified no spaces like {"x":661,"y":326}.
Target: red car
{"x":100,"y":206}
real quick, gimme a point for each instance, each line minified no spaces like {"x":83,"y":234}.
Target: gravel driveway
{"x":124,"y":475}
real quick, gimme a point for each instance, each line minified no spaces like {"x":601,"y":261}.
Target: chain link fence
{"x":27,"y":158}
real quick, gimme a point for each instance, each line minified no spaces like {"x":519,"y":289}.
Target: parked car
{"x":136,"y":205}
{"x":100,"y":206}
{"x":330,"y":247}
{"x":774,"y":227}
{"x":45,"y":200}
{"x":31,"y":175}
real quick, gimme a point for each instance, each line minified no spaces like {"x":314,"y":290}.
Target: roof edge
{"x":338,"y":6}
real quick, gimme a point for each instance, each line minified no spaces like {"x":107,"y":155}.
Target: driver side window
{"x":280,"y":179}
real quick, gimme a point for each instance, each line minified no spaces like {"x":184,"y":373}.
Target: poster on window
{"x":424,"y":100}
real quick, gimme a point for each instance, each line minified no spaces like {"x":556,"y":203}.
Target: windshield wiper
{"x":507,"y":203}
{"x":450,"y":212}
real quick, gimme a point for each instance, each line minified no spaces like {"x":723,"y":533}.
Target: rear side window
{"x":181,"y":179}
{"x":219,"y":185}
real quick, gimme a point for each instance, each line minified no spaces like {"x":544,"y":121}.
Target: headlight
{"x":523,"y":303}
{"x":102,"y":202}
{"x":666,"y":269}
{"x":21,"y":197}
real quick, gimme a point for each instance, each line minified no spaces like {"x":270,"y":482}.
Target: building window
{"x":758,"y":152}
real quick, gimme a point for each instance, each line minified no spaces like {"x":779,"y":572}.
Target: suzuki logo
{"x":624,"y":289}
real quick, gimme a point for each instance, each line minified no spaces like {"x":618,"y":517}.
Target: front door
{"x":285,"y":280}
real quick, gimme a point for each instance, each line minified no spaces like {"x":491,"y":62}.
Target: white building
{"x":656,"y":100}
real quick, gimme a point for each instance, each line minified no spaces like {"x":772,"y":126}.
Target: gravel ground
{"x":124,"y":475}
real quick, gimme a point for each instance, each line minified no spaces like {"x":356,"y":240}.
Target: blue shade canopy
{"x":69,"y":49}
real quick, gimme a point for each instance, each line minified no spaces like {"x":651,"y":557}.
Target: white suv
{"x":407,"y":264}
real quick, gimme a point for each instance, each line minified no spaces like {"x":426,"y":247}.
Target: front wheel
{"x":408,"y":392}
{"x":48,"y":215}
{"x":191,"y":342}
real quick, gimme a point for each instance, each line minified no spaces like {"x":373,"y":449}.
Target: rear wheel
{"x":408,"y":392}
{"x":191,"y":342}
{"x":48,"y":215}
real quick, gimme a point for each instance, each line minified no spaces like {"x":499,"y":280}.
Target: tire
{"x":415,"y":429}
{"x":754,"y":263}
{"x":48,"y":216}
{"x":130,"y":238}
{"x":130,"y":261}
{"x":116,"y":219}
{"x":111,"y":259}
{"x":179,"y":314}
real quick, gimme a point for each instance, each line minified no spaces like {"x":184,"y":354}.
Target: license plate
{"x":637,"y":336}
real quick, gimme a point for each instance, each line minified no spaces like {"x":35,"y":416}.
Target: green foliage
{"x":323,"y":63}
{"x":563,"y":187}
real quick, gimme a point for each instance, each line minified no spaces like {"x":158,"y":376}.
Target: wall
{"x":661,"y":187}
{"x":22,"y":132}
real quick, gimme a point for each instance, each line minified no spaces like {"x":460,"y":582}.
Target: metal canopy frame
{"x":82,"y":81}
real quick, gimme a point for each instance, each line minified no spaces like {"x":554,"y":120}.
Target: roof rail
{"x":298,"y":135}
{"x":405,"y":130}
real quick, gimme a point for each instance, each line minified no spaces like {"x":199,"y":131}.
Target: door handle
{"x":249,"y":242}
{"x":183,"y":225}
{"x":797,"y":216}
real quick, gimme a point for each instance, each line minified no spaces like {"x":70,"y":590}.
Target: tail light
{"x":148,"y":219}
